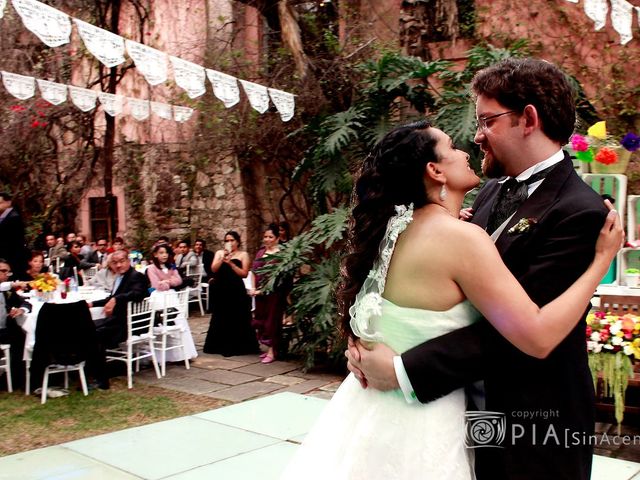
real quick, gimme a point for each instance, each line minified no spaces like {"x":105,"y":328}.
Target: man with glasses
{"x":12,"y":309}
{"x":99,"y":256}
{"x":526,"y":113}
{"x":128,"y":286}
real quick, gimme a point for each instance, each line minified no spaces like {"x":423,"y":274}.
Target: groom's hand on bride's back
{"x":372,"y":365}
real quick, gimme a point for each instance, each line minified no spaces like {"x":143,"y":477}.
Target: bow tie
{"x":512,"y":194}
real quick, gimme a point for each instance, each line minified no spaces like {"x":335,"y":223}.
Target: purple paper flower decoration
{"x":631,"y":142}
{"x":579,"y":143}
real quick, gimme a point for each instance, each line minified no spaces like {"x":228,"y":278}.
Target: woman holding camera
{"x":230,"y":332}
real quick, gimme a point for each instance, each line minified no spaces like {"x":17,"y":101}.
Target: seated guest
{"x":105,"y":277}
{"x":85,"y":250}
{"x":71,"y":237}
{"x":129,"y":286}
{"x":117,"y":244}
{"x":74,"y":260}
{"x":54,"y":249}
{"x":163,"y":274}
{"x":98,"y":257}
{"x":35,"y":267}
{"x":185,"y":257}
{"x":205,"y":257}
{"x":12,"y":307}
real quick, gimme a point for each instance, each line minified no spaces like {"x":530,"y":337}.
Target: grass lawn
{"x":26,"y":425}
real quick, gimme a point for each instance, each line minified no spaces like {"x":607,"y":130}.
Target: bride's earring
{"x":443,"y":192}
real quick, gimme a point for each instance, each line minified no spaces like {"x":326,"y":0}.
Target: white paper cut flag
{"x":162,"y":110}
{"x":139,"y":108}
{"x":19,"y":86}
{"x":189,"y":76}
{"x":573,"y":1}
{"x":225,"y":87}
{"x":182,"y":114}
{"x":3,"y":3}
{"x":150,"y":62}
{"x":51,"y":26}
{"x":104,"y":45}
{"x":258,"y":95}
{"x":622,"y":18}
{"x":54,"y":93}
{"x":284,"y":102}
{"x":111,"y":103}
{"x":83,"y":98}
{"x":597,"y":11}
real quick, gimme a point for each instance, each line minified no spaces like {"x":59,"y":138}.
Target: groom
{"x":525,"y":112}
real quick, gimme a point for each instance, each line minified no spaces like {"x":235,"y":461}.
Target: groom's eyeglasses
{"x":481,"y":123}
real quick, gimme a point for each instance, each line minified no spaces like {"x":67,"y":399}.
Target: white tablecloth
{"x":158,"y":300}
{"x":30,"y":320}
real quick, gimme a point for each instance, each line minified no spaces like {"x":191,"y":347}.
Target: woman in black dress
{"x":230,"y":332}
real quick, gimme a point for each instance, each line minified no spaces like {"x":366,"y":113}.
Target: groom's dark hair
{"x":391,"y":175}
{"x":518,"y":82}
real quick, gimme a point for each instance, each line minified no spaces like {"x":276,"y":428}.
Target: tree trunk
{"x":290,"y":31}
{"x":110,"y":134}
{"x":426,"y":21}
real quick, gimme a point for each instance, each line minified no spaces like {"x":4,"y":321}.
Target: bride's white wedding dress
{"x":367,"y":434}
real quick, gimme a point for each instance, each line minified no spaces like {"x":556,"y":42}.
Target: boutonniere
{"x":523,"y":226}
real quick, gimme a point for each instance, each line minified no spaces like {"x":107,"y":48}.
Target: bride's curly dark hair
{"x":391,"y":175}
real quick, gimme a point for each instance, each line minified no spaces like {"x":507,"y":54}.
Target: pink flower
{"x":579,"y":143}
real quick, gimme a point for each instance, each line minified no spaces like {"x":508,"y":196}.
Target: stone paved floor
{"x":239,"y":378}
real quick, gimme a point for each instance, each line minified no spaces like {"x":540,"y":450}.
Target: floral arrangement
{"x":613,"y":333}
{"x":612,"y":342}
{"x":45,"y":282}
{"x":600,"y":146}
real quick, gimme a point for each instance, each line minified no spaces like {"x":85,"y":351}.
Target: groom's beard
{"x":491,"y":167}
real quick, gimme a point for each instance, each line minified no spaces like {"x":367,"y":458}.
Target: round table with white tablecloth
{"x":29,"y":321}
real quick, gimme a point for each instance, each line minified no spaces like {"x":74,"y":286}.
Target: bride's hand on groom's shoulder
{"x":372,"y":365}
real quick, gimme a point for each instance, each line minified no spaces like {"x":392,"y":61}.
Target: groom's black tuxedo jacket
{"x":565,"y":216}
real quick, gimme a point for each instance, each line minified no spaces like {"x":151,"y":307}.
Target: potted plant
{"x":632,"y":276}
{"x":603,"y":152}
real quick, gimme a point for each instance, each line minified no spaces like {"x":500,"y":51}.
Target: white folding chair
{"x":88,"y":274}
{"x":139,"y":342}
{"x":55,"y":368}
{"x":5,"y":364}
{"x":195,"y":273}
{"x":170,"y":334}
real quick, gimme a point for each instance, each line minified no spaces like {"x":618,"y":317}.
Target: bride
{"x":402,"y":288}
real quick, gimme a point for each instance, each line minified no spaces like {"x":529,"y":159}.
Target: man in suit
{"x":12,"y":244}
{"x":205,"y":257}
{"x":54,"y":249}
{"x":129,"y":286}
{"x":526,"y":113}
{"x":185,"y":257}
{"x":98,"y":256}
{"x":12,"y":307}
